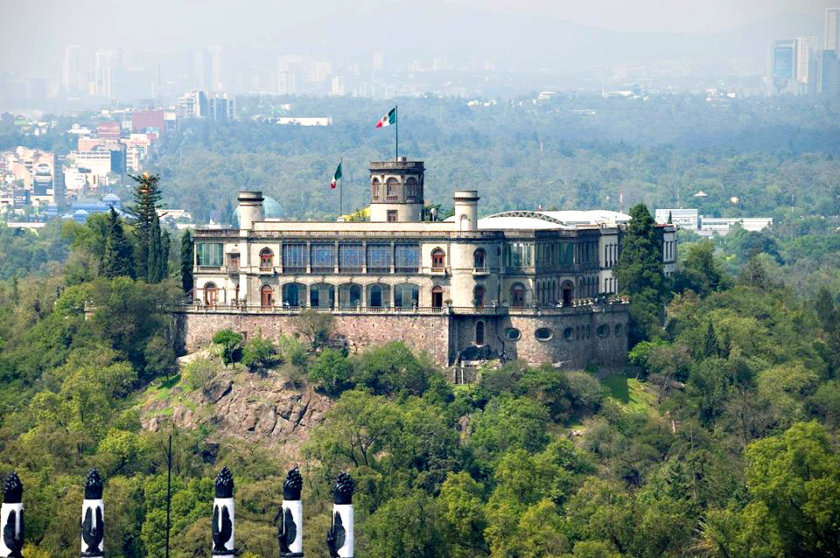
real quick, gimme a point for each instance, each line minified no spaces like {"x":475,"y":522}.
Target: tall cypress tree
{"x":165,"y":245}
{"x":147,"y":196}
{"x":187,"y":262}
{"x":153,"y":268}
{"x":640,"y":274}
{"x":118,"y":260}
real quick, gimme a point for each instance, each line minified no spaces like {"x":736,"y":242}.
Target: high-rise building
{"x":202,"y":70}
{"x":72,"y":73}
{"x":217,"y":58}
{"x":783,"y":67}
{"x":806,"y":65}
{"x":104,"y":73}
{"x":832,"y":30}
{"x":829,"y":73}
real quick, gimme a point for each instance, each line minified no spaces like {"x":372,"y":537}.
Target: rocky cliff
{"x":267,"y":408}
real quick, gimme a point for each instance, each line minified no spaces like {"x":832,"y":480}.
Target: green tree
{"x":410,"y":525}
{"x":118,"y":259}
{"x":331,"y":372}
{"x":229,"y":340}
{"x":147,"y":196}
{"x":640,"y":274}
{"x":187,"y":262}
{"x":258,"y":352}
{"x":796,"y":475}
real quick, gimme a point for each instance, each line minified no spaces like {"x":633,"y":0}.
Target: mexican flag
{"x":388,"y":119}
{"x":336,"y":177}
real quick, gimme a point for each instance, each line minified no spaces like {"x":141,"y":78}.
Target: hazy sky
{"x":33,"y":33}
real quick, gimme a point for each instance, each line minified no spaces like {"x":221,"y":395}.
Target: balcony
{"x":481,"y":271}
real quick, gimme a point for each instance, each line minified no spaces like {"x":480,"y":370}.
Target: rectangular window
{"x":392,"y":215}
{"x":351,"y":257}
{"x":323,"y":257}
{"x":379,"y":258}
{"x":407,"y":258}
{"x":209,"y":254}
{"x":295,"y":257}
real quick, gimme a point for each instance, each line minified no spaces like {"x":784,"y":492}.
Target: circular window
{"x":568,"y":334}
{"x":619,"y":331}
{"x":543,"y":334}
{"x":512,"y":334}
{"x":603,"y":330}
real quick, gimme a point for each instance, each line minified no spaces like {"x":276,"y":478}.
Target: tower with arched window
{"x":396,"y":191}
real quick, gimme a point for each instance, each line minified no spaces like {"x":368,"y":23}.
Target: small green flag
{"x":336,"y":177}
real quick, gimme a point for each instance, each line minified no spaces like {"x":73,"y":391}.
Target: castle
{"x":535,"y":285}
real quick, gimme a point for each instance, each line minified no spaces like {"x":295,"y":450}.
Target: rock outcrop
{"x":267,"y":409}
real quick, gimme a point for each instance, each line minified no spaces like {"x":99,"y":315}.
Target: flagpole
{"x":397,"y":144}
{"x":341,"y":187}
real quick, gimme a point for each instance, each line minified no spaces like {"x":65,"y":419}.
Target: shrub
{"x":258,"y":353}
{"x":229,"y":341}
{"x":199,"y":374}
{"x":331,"y":372}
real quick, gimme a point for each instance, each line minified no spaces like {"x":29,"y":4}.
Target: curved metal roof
{"x":530,"y":219}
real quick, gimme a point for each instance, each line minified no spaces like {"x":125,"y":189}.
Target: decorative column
{"x":340,"y":537}
{"x":93,"y":517}
{"x":11,"y":518}
{"x":223,"y":520}
{"x":290,"y":535}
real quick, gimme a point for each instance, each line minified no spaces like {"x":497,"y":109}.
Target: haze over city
{"x":587,"y":46}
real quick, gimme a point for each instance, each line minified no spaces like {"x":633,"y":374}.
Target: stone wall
{"x":573,"y":342}
{"x":420,"y":332}
{"x":573,"y":338}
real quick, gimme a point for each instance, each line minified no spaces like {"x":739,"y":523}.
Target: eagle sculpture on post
{"x":93,"y":523}
{"x":340,"y":539}
{"x":290,"y":530}
{"x":223,"y":515}
{"x":12,"y":517}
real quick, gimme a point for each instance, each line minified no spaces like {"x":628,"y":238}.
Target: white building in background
{"x":806,"y":65}
{"x":683,"y":218}
{"x":198,"y":104}
{"x":690,"y":219}
{"x":300,"y":121}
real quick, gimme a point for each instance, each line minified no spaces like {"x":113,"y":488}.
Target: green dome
{"x":271,"y":209}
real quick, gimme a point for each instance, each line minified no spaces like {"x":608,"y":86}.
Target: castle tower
{"x":250,"y":209}
{"x":396,"y":191}
{"x":466,"y":210}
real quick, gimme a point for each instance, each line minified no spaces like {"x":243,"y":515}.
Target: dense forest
{"x":719,"y":438}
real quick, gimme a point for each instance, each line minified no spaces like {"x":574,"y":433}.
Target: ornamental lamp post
{"x":223,"y":515}
{"x":11,"y":518}
{"x":93,"y":517}
{"x":290,"y":535}
{"x":340,"y":537}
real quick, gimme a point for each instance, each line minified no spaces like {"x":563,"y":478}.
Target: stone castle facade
{"x":535,"y":285}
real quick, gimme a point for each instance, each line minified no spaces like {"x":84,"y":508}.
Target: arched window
{"x":406,"y":295}
{"x":411,"y":188}
{"x":294,"y":294}
{"x":322,"y":295}
{"x":349,"y":295}
{"x":375,"y":187}
{"x":391,"y":187}
{"x":568,"y":293}
{"x":478,"y":296}
{"x":438,"y":259}
{"x":378,"y":296}
{"x":266,"y":295}
{"x":266,"y":259}
{"x":437,"y":297}
{"x":210,"y":294}
{"x":517,"y":295}
{"x":480,"y":259}
{"x":479,"y":333}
